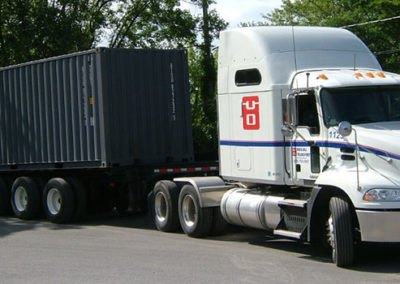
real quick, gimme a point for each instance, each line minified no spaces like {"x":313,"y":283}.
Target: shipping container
{"x":96,"y":109}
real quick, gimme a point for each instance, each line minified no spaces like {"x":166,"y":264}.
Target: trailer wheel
{"x":4,"y":198}
{"x":195,"y":221}
{"x":340,"y":232}
{"x":25,"y":198}
{"x":80,"y":195}
{"x":166,"y":195}
{"x":58,"y":200}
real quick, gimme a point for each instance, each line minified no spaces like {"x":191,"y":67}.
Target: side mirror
{"x":291,"y":109}
{"x":286,"y":131}
{"x":345,"y":128}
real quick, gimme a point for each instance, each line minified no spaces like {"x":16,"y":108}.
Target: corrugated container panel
{"x":99,"y":108}
{"x":154,"y":124}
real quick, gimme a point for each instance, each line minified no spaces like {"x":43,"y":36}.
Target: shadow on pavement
{"x":133,"y":220}
{"x":372,"y":258}
{"x":10,"y":225}
{"x":378,"y":258}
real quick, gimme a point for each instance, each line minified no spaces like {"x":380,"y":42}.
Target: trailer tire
{"x":340,"y":232}
{"x":195,"y":221}
{"x":58,"y":200}
{"x":219,"y":224}
{"x":166,"y":194}
{"x":80,"y":194}
{"x":25,"y":198}
{"x":5,"y":205}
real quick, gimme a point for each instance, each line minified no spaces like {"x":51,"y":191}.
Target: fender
{"x":346,"y":180}
{"x":209,"y":189}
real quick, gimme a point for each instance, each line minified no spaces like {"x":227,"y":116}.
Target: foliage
{"x":203,"y":74}
{"x":32,"y":29}
{"x":204,"y":129}
{"x":383,"y":38}
{"x":151,"y":23}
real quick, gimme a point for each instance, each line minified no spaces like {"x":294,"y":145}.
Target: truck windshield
{"x":360,"y":105}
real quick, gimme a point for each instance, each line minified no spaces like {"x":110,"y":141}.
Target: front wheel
{"x":340,"y":232}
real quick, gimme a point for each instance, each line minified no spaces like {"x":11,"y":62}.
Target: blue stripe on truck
{"x":363,"y":148}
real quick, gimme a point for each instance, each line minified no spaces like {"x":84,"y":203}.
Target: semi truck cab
{"x":354,"y":150}
{"x":308,"y":131}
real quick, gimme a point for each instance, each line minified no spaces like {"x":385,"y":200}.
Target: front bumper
{"x":379,"y":226}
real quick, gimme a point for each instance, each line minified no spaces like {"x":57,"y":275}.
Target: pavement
{"x":110,"y":249}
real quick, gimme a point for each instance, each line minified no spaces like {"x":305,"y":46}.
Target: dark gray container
{"x":99,"y":108}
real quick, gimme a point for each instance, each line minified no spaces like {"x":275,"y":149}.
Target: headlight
{"x":382,"y":194}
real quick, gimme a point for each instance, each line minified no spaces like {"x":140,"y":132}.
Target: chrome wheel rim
{"x":21,"y":198}
{"x":160,"y":206}
{"x":54,"y":201}
{"x":189,"y":211}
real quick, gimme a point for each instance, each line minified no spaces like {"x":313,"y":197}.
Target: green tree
{"x":151,"y":23}
{"x":33,"y":29}
{"x":203,"y":73}
{"x":383,"y":38}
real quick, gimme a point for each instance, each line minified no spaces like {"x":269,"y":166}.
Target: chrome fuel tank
{"x":251,"y":208}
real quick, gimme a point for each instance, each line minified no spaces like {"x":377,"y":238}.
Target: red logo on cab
{"x":251,"y":113}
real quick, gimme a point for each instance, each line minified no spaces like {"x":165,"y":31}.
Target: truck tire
{"x":58,"y":200}
{"x":166,"y":195}
{"x":219,"y":225}
{"x":195,"y":221}
{"x":340,"y":232}
{"x":4,"y":198}
{"x":80,"y":195}
{"x":25,"y":198}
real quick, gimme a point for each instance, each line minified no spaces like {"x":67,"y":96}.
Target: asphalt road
{"x":129,"y":250}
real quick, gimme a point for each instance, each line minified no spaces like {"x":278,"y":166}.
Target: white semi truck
{"x":309,"y":129}
{"x":308,"y":139}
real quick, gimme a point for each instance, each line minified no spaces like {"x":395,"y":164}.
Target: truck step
{"x":288,"y":234}
{"x":293,"y":203}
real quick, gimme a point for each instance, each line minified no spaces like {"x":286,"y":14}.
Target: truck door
{"x":304,"y":148}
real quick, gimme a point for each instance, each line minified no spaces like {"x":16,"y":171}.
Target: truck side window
{"x":247,"y":77}
{"x":307,"y":113}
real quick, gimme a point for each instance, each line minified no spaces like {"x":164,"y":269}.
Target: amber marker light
{"x":369,"y":74}
{"x":323,"y":76}
{"x":381,"y":74}
{"x":358,"y":75}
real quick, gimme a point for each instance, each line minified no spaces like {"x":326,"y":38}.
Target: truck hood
{"x":380,"y":138}
{"x":380,"y":149}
